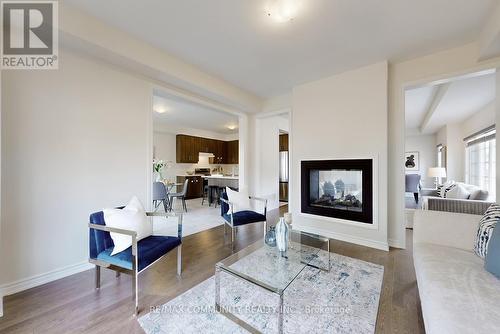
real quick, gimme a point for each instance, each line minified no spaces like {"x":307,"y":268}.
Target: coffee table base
{"x":233,"y":317}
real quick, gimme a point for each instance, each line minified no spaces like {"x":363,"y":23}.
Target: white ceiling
{"x":462,"y":99}
{"x":237,"y":41}
{"x":182,"y":114}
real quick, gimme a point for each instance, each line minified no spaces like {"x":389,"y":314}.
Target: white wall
{"x":343,"y":116}
{"x":74,"y":140}
{"x":482,"y":119}
{"x":455,"y":155}
{"x":166,"y":148}
{"x":267,"y":157}
{"x":408,"y":74}
{"x":426,"y":146}
{"x":452,"y":135}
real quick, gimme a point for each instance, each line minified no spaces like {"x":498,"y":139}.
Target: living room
{"x":450,"y":139}
{"x":77,"y":139}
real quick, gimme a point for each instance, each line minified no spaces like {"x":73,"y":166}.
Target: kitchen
{"x":194,"y":143}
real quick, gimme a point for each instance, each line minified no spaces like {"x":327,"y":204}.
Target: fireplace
{"x":338,"y":188}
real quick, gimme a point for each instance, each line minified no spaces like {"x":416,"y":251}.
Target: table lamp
{"x":437,"y":173}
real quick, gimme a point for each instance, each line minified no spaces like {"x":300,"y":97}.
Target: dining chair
{"x":181,"y":195}
{"x":160,"y":195}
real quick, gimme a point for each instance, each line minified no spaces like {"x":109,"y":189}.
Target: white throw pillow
{"x":240,"y":200}
{"x":132,"y":217}
{"x":458,"y":192}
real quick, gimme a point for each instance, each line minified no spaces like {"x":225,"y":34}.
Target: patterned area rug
{"x":343,"y":300}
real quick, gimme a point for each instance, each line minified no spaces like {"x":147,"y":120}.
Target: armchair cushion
{"x":245,"y":217}
{"x":149,"y":250}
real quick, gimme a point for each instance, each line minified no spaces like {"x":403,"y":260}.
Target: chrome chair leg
{"x":179,"y":260}
{"x":97,"y":277}
{"x":135,"y":293}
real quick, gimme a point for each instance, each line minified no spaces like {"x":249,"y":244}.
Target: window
{"x":480,"y":164}
{"x":441,"y":159}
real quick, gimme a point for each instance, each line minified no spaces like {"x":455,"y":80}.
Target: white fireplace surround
{"x":376,"y":195}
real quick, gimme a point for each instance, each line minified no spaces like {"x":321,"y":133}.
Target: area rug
{"x":198,"y":218}
{"x":343,"y":300}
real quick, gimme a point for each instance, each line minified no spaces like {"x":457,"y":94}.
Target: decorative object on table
{"x":270,"y":237}
{"x":282,"y":235}
{"x":412,"y":161}
{"x":437,"y":173}
{"x":288,"y":218}
{"x":158,"y":166}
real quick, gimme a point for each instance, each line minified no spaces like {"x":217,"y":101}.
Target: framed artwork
{"x":412,"y":161}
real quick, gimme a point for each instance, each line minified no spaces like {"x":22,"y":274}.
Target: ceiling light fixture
{"x":160,"y":110}
{"x":231,"y":127}
{"x":282,"y":10}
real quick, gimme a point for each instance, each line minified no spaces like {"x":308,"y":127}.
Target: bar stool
{"x":213,"y":195}
{"x":205,"y":195}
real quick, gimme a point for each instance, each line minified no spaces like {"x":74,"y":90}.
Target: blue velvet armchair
{"x":240,"y":218}
{"x":135,"y":259}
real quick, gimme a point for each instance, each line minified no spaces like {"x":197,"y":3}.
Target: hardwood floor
{"x":71,"y":305}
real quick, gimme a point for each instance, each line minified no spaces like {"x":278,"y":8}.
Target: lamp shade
{"x":436,"y":172}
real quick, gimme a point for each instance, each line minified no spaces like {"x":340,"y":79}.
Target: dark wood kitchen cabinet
{"x":232,"y":155}
{"x":283,"y":142}
{"x":195,"y":186}
{"x":189,"y":148}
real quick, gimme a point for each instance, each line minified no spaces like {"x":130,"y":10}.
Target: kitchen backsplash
{"x":180,"y":169}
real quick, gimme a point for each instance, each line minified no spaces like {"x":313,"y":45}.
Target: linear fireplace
{"x":338,"y":188}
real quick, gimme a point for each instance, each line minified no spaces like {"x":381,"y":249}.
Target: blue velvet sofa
{"x":135,"y":259}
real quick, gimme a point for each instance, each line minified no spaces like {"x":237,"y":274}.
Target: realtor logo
{"x":29,"y":35}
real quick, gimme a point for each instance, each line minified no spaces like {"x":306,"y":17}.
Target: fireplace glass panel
{"x":339,"y":189}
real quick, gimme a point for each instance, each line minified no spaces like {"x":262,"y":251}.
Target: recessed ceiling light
{"x":160,"y":110}
{"x":282,"y":10}
{"x":231,"y":127}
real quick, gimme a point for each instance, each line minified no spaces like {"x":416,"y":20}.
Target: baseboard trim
{"x":345,"y":237}
{"x":397,"y":244}
{"x":36,"y":280}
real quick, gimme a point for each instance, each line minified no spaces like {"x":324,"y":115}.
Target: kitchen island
{"x":222,"y":180}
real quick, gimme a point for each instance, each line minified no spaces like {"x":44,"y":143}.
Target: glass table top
{"x":267,"y":267}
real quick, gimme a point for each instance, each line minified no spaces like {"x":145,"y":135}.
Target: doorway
{"x":284,"y":167}
{"x":450,"y":142}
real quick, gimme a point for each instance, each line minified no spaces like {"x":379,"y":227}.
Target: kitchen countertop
{"x":221,"y":177}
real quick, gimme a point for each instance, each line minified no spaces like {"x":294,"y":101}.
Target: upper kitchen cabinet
{"x":283,"y":142}
{"x":187,"y":149}
{"x":232,"y":152}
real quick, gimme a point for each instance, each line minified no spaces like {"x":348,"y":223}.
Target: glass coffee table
{"x":269,"y":269}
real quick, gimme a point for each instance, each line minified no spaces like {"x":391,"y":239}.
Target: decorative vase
{"x":282,"y":229}
{"x":270,"y":237}
{"x":158,"y":176}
